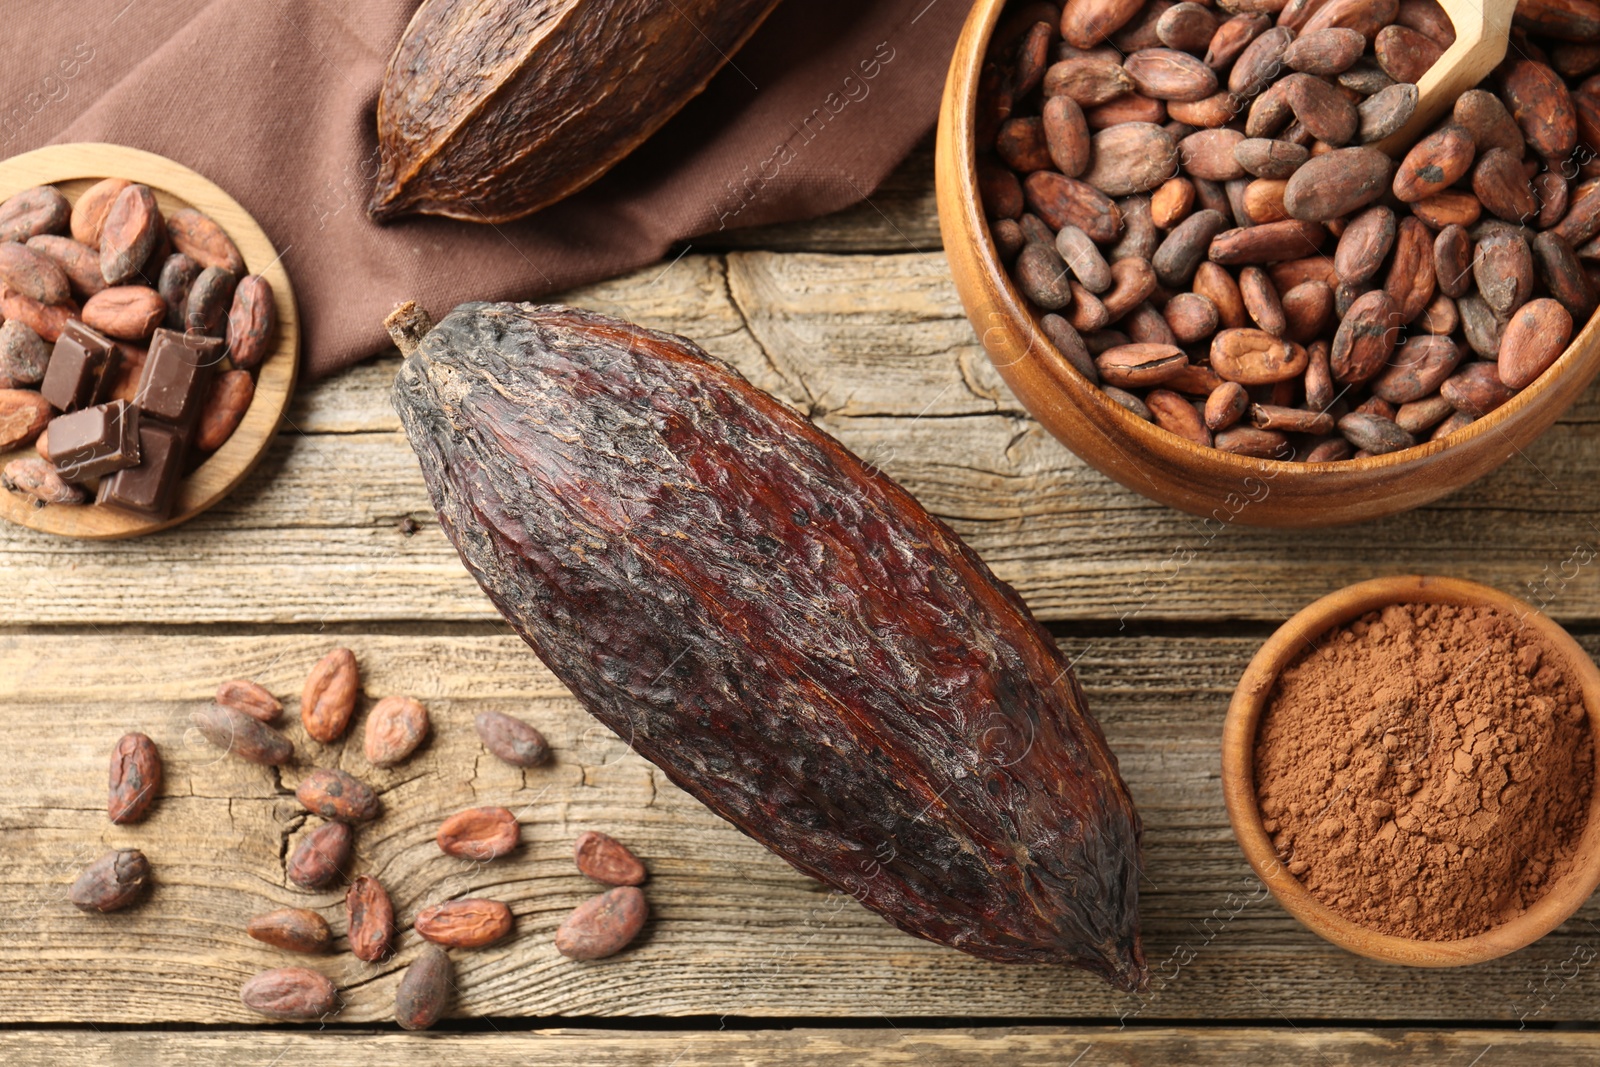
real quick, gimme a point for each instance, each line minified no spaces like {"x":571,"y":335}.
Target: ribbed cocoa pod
{"x":658,"y":677}
{"x":490,"y":113}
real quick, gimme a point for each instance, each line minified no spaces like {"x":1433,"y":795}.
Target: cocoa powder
{"x":1426,"y":770}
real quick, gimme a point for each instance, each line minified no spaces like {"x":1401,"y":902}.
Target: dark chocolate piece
{"x":177,"y":376}
{"x":94,"y":441}
{"x":150,"y":487}
{"x":81,"y":368}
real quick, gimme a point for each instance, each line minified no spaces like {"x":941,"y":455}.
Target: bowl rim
{"x":1248,"y":705}
{"x":961,"y":99}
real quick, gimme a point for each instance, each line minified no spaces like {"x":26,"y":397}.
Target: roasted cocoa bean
{"x":603,"y":925}
{"x":1041,"y":274}
{"x":1136,"y":366}
{"x":1410,"y":282}
{"x":1440,"y":316}
{"x":1185,"y":247}
{"x":328,"y":699}
{"x":322,"y":856}
{"x":1069,"y":343}
{"x":1089,"y":80}
{"x":203,"y":241}
{"x":469,"y":923}
{"x":293,"y":993}
{"x":23,"y":355}
{"x":1062,"y":201}
{"x":1083,"y":259}
{"x":88,"y":215}
{"x":1177,"y":415}
{"x":1558,"y":267}
{"x":1420,"y":415}
{"x":1261,"y":301}
{"x":1365,"y":244}
{"x":1385,"y":111}
{"x":1374,"y":433}
{"x":1538,"y":99}
{"x":1434,"y":164}
{"x":605,"y":859}
{"x":1534,"y":339}
{"x":251,"y":321}
{"x":1260,"y":62}
{"x":1337,"y":183}
{"x":510,"y":739}
{"x":1475,"y":389}
{"x":426,"y":989}
{"x":46,"y":320}
{"x":395,"y":727}
{"x":23,"y":416}
{"x":29,"y":272}
{"x":126,"y":312}
{"x":1250,"y":441}
{"x":135,"y":778}
{"x":1290,"y":420}
{"x":111,"y":882}
{"x":1272,"y":242}
{"x":1452,"y":261}
{"x":1308,"y":311}
{"x":178,"y":274}
{"x":1217,"y":285}
{"x":1269,"y":158}
{"x":1365,"y":338}
{"x":1404,"y":54}
{"x":36,"y":478}
{"x":998,"y":188}
{"x":41,"y":209}
{"x":210,"y":297}
{"x":254,"y":700}
{"x":1417,"y":369}
{"x":243,"y":735}
{"x":479,"y":834}
{"x":370,"y":916}
{"x":225,"y":407}
{"x":1503,"y":270}
{"x":1066,"y":135}
{"x":128,"y":234}
{"x":78,"y":262}
{"x":1255,"y":357}
{"x":337,"y":795}
{"x":1226,"y":405}
{"x":1501,"y":186}
{"x":1191,"y":318}
{"x":292,"y":929}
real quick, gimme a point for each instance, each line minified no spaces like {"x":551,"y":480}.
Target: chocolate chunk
{"x":80,"y":370}
{"x":94,"y":441}
{"x":150,"y":487}
{"x":177,"y":376}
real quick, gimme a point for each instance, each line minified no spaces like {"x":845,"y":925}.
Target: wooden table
{"x":332,"y":543}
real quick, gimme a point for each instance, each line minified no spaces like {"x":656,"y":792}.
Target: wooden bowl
{"x":72,"y":168}
{"x":1238,"y":774}
{"x":1159,"y":464}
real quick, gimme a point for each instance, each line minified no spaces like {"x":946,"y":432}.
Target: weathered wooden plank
{"x":877,"y":1047}
{"x":877,"y":348}
{"x":736,"y":931}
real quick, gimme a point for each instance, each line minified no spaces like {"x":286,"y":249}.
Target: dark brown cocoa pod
{"x":135,"y":778}
{"x":1365,"y":338}
{"x":426,"y":989}
{"x":177,"y":277}
{"x":1062,"y":201}
{"x":1503,"y":270}
{"x":129,"y":233}
{"x":1476,"y":389}
{"x":370,"y":916}
{"x":294,"y":993}
{"x":479,"y":834}
{"x":337,"y":795}
{"x":1374,"y":434}
{"x":292,"y":929}
{"x":206,"y":309}
{"x":242,"y":735}
{"x":510,"y":739}
{"x":25,"y":214}
{"x":503,"y":361}
{"x":111,"y":882}
{"x":322,"y":856}
{"x":1452,"y":261}
{"x":603,"y":925}
{"x":1558,"y":267}
{"x":605,"y":859}
{"x":469,"y":923}
{"x":251,"y":320}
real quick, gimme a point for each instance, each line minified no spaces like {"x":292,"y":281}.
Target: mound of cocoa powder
{"x":1426,"y":770}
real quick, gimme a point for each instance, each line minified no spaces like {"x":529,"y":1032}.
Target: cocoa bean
{"x":337,"y":795}
{"x":1233,"y":37}
{"x":1177,"y":416}
{"x":1290,"y":420}
{"x":1558,"y":267}
{"x":1428,"y":18}
{"x":292,"y":929}
{"x":1062,"y":201}
{"x":1042,"y":276}
{"x":603,"y":925}
{"x":46,"y":320}
{"x":1503,"y":270}
{"x":1209,"y":154}
{"x":1479,"y":325}
{"x":26,"y":271}
{"x":1538,"y":99}
{"x":1333,"y":450}
{"x":1260,"y":62}
{"x":425,"y":991}
{"x":23,"y":355}
{"x":1088,"y":313}
{"x":1374,"y":434}
{"x":1218,"y":286}
{"x":605,"y":859}
{"x":225,"y":407}
{"x":1066,"y":135}
{"x":78,"y":262}
{"x":135,"y":778}
{"x":1410,"y":282}
{"x":129,"y":233}
{"x":23,"y":415}
{"x":1255,"y":357}
{"x":1089,"y":80}
{"x":1262,"y":201}
{"x":126,"y":312}
{"x":1452,"y":261}
{"x":1459,"y":421}
{"x":1033,"y":55}
{"x":1187,"y":27}
{"x":1385,"y":111}
{"x":370,"y":916}
{"x":210,"y":297}
{"x":1325,"y":52}
{"x":329,"y":697}
{"x":1266,"y":157}
{"x":1488,"y":123}
{"x":1337,"y":183}
{"x":88,"y":216}
{"x":202,"y":240}
{"x":1582,"y":220}
{"x":1440,"y":316}
{"x":1195,"y":380}
{"x":1271,"y":113}
{"x":37,"y":478}
{"x":1365,"y":244}
{"x":1417,"y":369}
{"x":1140,"y":238}
{"x":1020,"y":144}
{"x":294,"y":993}
{"x":1226,"y":405}
{"x":1261,"y":301}
{"x":178,"y":274}
{"x":1086,"y":23}
{"x":1249,"y":441}
{"x":1420,"y":415}
{"x":243,"y":735}
{"x":1184,"y":248}
{"x":1208,"y":114}
{"x":1550,"y":190}
{"x":1365,"y":338}
{"x":1500,"y":186}
{"x":1191,"y":317}
{"x":1008,"y":239}
{"x":1307,"y":311}
{"x":1451,"y":207}
{"x":1534,"y":339}
{"x":1324,"y":112}
{"x":322,"y":856}
{"x":1167,"y":74}
{"x":1127,"y":401}
{"x":395,"y":727}
{"x":111,"y":882}
{"x":1135,"y":366}
{"x":479,"y":834}
{"x":1083,"y":259}
{"x":998,"y":189}
{"x":1404,"y":54}
{"x":41,"y":209}
{"x":1132,"y":282}
{"x":1269,"y":243}
{"x":1434,"y":163}
{"x":1365,"y":16}
{"x":1069,"y":344}
{"x":251,"y":321}
{"x":1476,"y":389}
{"x":468,"y":923}
{"x":1320,"y":389}
{"x":254,"y":700}
{"x":510,"y":739}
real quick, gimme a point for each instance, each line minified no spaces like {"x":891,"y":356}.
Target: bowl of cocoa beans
{"x":1188,"y":241}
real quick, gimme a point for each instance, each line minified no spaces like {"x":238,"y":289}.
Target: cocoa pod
{"x":78,"y":262}
{"x":46,"y":320}
{"x":469,"y":923}
{"x":1233,"y":37}
{"x":26,"y":271}
{"x":1385,"y":111}
{"x":1062,"y":201}
{"x":225,"y":407}
{"x":111,"y":882}
{"x":294,"y":993}
{"x":126,"y":312}
{"x":1249,"y":441}
{"x":1181,"y":253}
{"x":178,"y":274}
{"x":1089,"y":80}
{"x":1134,"y":157}
{"x":1538,"y":99}
{"x":1209,"y":154}
{"x":1167,"y":74}
{"x":1337,"y":183}
{"x":135,"y":778}
{"x":329,"y":697}
{"x":479,"y":834}
{"x":1374,"y":434}
{"x":1177,"y":416}
{"x":1434,"y":163}
{"x":1267,"y":157}
{"x":1272,"y":242}
{"x":88,"y":216}
{"x":395,"y":727}
{"x":1500,"y":186}
{"x":23,"y":415}
{"x":23,"y":355}
{"x":254,"y":700}
{"x":488,"y":115}
{"x":1042,"y":276}
{"x":243,"y":735}
{"x":337,"y":795}
{"x":1488,"y":123}
{"x":1417,"y":369}
{"x":1365,"y":244}
{"x":251,"y":321}
{"x":504,"y":361}
{"x":425,"y":990}
{"x":1404,"y":54}
{"x":210,"y":297}
{"x":370,"y":916}
{"x":1410,"y":282}
{"x":1086,"y":23}
{"x":129,"y":233}
{"x":603,"y":925}
{"x":1503,"y":269}
{"x":1218,"y":286}
{"x":1534,"y":339}
{"x":1191,"y":318}
{"x":1365,"y":338}
{"x":1476,"y":389}
{"x":36,"y":477}
{"x":1255,"y":357}
{"x":322,"y":856}
{"x":292,"y":929}
{"x":510,"y":739}
{"x":605,"y":859}
{"x":1307,"y":311}
{"x":1452,"y":261}
{"x":41,"y":209}
{"x":1066,"y":135}
{"x":1260,"y":62}
{"x":1020,"y":144}
{"x":1226,"y":405}
{"x":1135,"y":366}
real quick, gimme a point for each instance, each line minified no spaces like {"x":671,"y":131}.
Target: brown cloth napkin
{"x":274,"y":100}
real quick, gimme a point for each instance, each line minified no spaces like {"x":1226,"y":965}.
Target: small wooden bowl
{"x":72,"y":168}
{"x":1238,"y":774}
{"x":1165,"y":467}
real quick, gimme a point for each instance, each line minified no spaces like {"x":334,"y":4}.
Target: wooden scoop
{"x":1482,"y":33}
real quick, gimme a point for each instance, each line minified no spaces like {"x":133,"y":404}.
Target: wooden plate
{"x":72,"y":168}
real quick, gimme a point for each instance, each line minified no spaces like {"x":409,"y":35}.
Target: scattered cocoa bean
{"x":329,"y":698}
{"x":254,"y":700}
{"x":510,"y":739}
{"x":111,"y":882}
{"x":371,"y":919}
{"x":468,"y":923}
{"x":243,"y":735}
{"x":322,"y":856}
{"x":479,"y":834}
{"x":294,"y":993}
{"x":395,"y":727}
{"x":292,"y":929}
{"x":603,"y":925}
{"x":337,"y":795}
{"x":135,"y":778}
{"x":425,"y":991}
